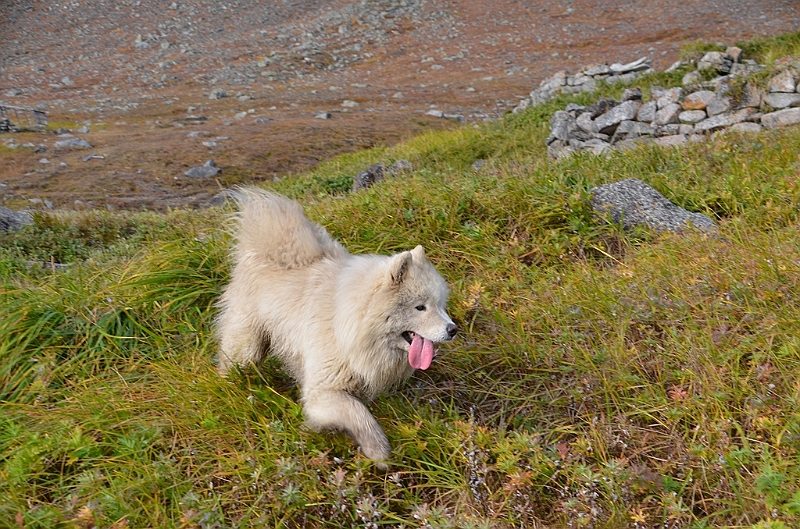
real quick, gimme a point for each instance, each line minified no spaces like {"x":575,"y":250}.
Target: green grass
{"x":602,"y":378}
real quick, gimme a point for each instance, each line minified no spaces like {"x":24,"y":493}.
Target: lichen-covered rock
{"x":783,"y":82}
{"x":698,"y":100}
{"x":632,"y":203}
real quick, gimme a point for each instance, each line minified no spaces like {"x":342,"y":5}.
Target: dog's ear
{"x":418,"y":254}
{"x":398,"y":267}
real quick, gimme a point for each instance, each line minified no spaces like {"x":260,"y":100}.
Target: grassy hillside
{"x":602,"y":378}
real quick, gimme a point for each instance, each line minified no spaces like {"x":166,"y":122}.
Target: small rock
{"x":72,"y":143}
{"x":366,"y":178}
{"x":629,"y":129}
{"x":559,"y":149}
{"x":454,"y":117}
{"x":585,"y":122}
{"x":734,"y":53}
{"x":83,"y":130}
{"x":435,"y":113}
{"x":779,"y":100}
{"x":562,"y":125}
{"x":692,"y":116}
{"x":607,"y":122}
{"x":218,"y":93}
{"x":599,"y":69}
{"x":647,"y":112}
{"x":698,"y":100}
{"x":783,"y":82}
{"x":718,"y":105}
{"x":669,"y":129}
{"x":597,"y":146}
{"x":781,"y":118}
{"x":713,"y":124}
{"x":746,"y":127}
{"x":668,"y":96}
{"x":632,"y":94}
{"x":601,"y":106}
{"x":691,"y":78}
{"x":752,"y":96}
{"x":349,"y":104}
{"x":715,"y":60}
{"x":635,"y":66}
{"x":207,"y":170}
{"x":667,"y":114}
{"x":323,"y":115}
{"x":671,"y":141}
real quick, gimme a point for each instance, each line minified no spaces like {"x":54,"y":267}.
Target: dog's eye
{"x":420,"y":307}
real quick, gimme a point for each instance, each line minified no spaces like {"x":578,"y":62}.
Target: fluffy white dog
{"x":345,"y":326}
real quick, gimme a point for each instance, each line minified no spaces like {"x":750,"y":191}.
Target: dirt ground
{"x":138,"y":74}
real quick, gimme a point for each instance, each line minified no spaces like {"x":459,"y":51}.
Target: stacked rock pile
{"x":584,"y":81}
{"x":682,"y":114}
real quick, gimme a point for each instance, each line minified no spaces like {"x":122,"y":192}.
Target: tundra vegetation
{"x":602,"y":378}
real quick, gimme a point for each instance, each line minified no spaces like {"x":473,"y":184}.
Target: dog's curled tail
{"x":274,"y":231}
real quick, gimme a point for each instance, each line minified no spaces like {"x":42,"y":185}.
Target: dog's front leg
{"x":338,"y":410}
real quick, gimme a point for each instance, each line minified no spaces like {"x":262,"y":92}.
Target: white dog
{"x":345,"y":326}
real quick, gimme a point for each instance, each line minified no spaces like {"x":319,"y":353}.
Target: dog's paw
{"x":378,"y":450}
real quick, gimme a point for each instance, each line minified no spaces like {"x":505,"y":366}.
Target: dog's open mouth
{"x":420,"y":350}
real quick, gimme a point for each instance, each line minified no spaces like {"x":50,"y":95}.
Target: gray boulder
{"x":633,"y":203}
{"x":369,"y":176}
{"x":207,"y":170}
{"x":72,"y":143}
{"x":13,"y":220}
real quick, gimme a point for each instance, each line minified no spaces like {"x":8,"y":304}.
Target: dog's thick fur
{"x":344,"y":326}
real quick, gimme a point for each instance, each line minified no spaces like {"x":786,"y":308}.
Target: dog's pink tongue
{"x":420,"y":353}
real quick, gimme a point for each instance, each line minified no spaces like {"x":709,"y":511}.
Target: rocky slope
{"x":162,"y":87}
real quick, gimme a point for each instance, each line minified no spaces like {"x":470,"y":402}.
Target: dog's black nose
{"x":452,"y":329}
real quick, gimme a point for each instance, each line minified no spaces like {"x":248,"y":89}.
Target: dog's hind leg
{"x":338,"y":410}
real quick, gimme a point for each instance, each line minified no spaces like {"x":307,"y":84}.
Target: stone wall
{"x":673,"y":116}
